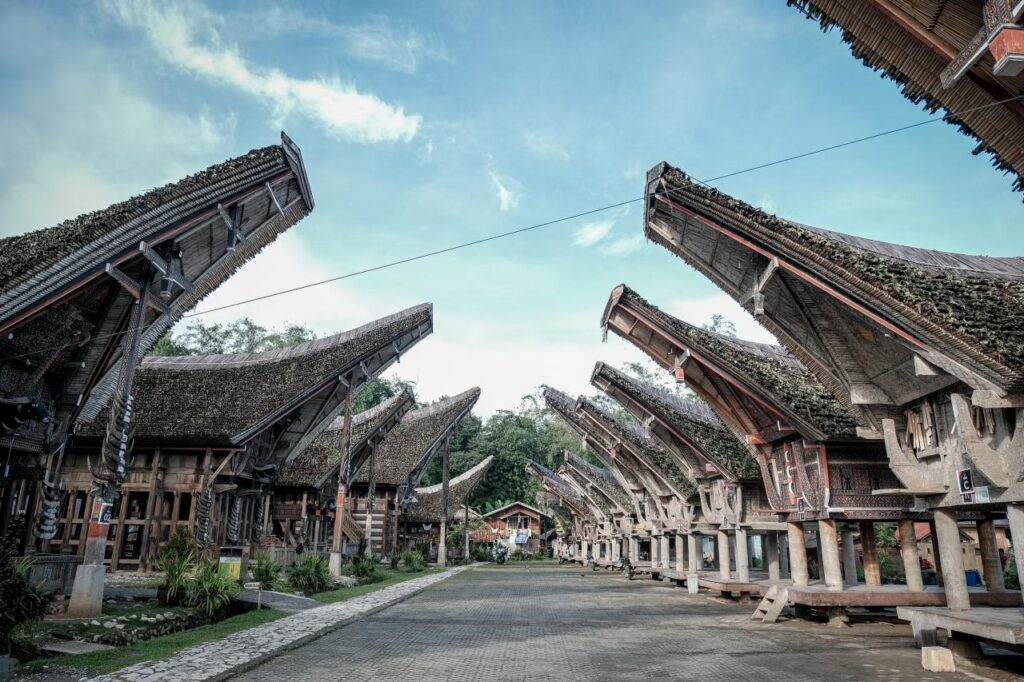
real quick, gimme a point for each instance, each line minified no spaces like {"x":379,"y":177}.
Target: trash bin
{"x":973,"y":577}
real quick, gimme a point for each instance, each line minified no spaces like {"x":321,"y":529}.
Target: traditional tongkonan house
{"x":439,"y":503}
{"x":81,"y":302}
{"x":212,"y":432}
{"x":665,"y":482}
{"x":305,"y":488}
{"x":589,"y":519}
{"x":661,"y":493}
{"x":814,"y":466}
{"x":600,"y":488}
{"x":965,"y":57}
{"x":925,"y":348}
{"x":725,"y":472}
{"x":382,"y":488}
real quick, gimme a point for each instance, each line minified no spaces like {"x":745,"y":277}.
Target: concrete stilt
{"x":1015,"y":516}
{"x":849,"y":557}
{"x":693,"y":557}
{"x":665,"y":552}
{"x":872,"y":571}
{"x":442,"y":546}
{"x":911,"y":557}
{"x":829,"y":543}
{"x":936,"y":552}
{"x":724,"y":571}
{"x":797,"y":554}
{"x":680,"y":551}
{"x":771,"y":555}
{"x":955,"y":582}
{"x":991,"y":565}
{"x":742,"y":556}
{"x":783,"y":548}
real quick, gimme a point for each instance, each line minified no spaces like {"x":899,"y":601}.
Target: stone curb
{"x":199,"y":663}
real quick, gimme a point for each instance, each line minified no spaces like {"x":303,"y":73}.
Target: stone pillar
{"x":1015,"y":516}
{"x":665,"y":552}
{"x":955,"y":582}
{"x":442,"y":546}
{"x":634,"y":549}
{"x":991,"y":565}
{"x":724,"y":570}
{"x":798,"y":554}
{"x":909,"y":554}
{"x":679,"y":554}
{"x":872,"y":572}
{"x":771,"y":556}
{"x":742,"y":556}
{"x":583,"y":550}
{"x":828,"y":540}
{"x":849,"y":557}
{"x":694,"y":560}
{"x":783,"y":556}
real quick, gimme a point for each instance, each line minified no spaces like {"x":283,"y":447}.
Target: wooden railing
{"x":54,"y":572}
{"x":349,"y":527}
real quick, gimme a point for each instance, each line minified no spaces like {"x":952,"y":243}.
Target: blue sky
{"x":428,"y":124}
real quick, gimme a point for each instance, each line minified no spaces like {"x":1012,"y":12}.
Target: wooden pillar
{"x":724,"y":570}
{"x":1015,"y":517}
{"x":343,"y":481}
{"x":798,"y":554}
{"x":872,"y":571}
{"x":828,"y":540}
{"x":911,"y":557}
{"x":955,"y":582}
{"x":742,"y":556}
{"x":991,"y":565}
{"x":849,"y":556}
{"x":770,"y":549}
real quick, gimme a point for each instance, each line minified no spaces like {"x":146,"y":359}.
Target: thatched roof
{"x":554,"y":484}
{"x":642,"y":446}
{"x":59,"y":306}
{"x":226,"y":399}
{"x":911,"y":42}
{"x":429,"y":502}
{"x":768,"y":371}
{"x":320,"y":461}
{"x":598,"y":477}
{"x":409,"y":448}
{"x":691,"y":421}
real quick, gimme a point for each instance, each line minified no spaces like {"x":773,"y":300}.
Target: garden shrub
{"x":208,"y":590}
{"x":311,"y":574}
{"x":414,"y":561}
{"x":1010,"y":571}
{"x":375,"y":575}
{"x":22,"y":602}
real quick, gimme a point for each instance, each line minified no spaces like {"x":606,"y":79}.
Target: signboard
{"x":106,"y":511}
{"x":231,"y":567}
{"x":522,"y":536}
{"x":965,"y":484}
{"x":981,"y":494}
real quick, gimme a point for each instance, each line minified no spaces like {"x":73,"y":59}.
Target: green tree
{"x":241,"y":336}
{"x":720,"y":324}
{"x":379,"y":390}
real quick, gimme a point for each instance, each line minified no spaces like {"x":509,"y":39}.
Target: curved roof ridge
{"x":694,"y":408}
{"x":442,"y":404}
{"x":556,"y":480}
{"x":371,"y":413}
{"x":201,"y":362}
{"x":601,"y":472}
{"x":464,"y":476}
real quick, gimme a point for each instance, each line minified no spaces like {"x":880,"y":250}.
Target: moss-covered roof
{"x":770,"y":370}
{"x":557,"y":486}
{"x":690,"y":418}
{"x":970,"y":305}
{"x":642,"y":445}
{"x":600,"y":478}
{"x":327,"y":451}
{"x":420,"y":433}
{"x":25,"y":254}
{"x":211,"y":399}
{"x":430,"y":499}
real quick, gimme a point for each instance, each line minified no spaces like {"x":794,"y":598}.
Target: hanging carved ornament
{"x":234,"y":521}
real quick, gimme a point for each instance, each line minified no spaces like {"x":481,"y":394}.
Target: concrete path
{"x":243,"y":650}
{"x":545,"y":622}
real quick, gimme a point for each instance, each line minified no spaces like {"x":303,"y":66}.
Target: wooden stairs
{"x":349,"y":527}
{"x":772,"y":604}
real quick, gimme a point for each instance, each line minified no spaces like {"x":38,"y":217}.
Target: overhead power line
{"x":556,"y":221}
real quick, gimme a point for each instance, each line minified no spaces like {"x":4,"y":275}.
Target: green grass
{"x":344,"y":593}
{"x":160,"y":648}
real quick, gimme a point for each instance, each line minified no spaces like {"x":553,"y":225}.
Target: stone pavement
{"x":282,"y":601}
{"x":242,"y":650}
{"x":547,"y":622}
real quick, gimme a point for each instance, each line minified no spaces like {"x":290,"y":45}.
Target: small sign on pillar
{"x":965,"y":484}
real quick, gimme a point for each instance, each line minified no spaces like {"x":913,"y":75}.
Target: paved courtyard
{"x":544,"y":622}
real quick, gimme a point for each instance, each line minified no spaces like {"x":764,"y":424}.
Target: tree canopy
{"x":241,"y":336}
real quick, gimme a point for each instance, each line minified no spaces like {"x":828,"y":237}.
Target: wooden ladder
{"x":771,"y":606}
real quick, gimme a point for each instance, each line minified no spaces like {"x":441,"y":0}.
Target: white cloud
{"x":184,"y":33}
{"x":591,"y":233}
{"x":545,"y":147}
{"x":699,"y":311}
{"x":623,"y":246}
{"x":507,"y":198}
